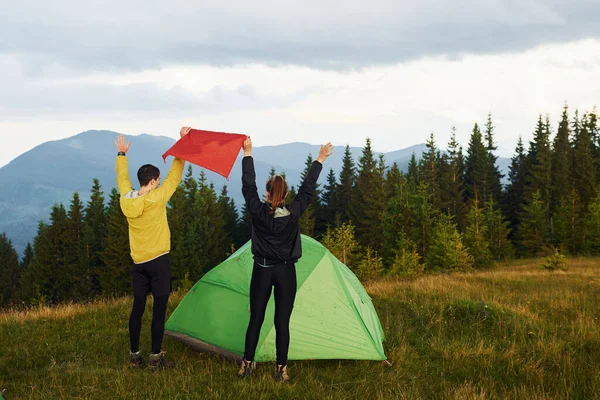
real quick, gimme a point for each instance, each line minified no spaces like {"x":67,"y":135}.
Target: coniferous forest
{"x":447,"y":212}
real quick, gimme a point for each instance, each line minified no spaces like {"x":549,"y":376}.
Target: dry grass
{"x":511,"y":332}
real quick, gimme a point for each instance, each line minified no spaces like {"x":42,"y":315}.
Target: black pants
{"x":152,"y":276}
{"x":283,"y":278}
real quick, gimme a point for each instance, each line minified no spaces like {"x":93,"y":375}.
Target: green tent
{"x":333,"y":317}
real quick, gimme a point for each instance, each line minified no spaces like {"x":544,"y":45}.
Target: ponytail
{"x":277,"y":188}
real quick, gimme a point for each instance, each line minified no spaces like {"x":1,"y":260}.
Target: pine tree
{"x":308,"y":218}
{"x":370,"y":267}
{"x":341,"y":243}
{"x":421,"y":218}
{"x":76,"y":256}
{"x":592,"y":227}
{"x":453,"y":190}
{"x":27,"y":256}
{"x":396,"y":220}
{"x":211,"y":232}
{"x":515,"y":191}
{"x":475,"y":236}
{"x":447,"y":251}
{"x":476,"y":166}
{"x":329,"y":198}
{"x":406,"y":261}
{"x":493,"y":177}
{"x":115,"y":273}
{"x":95,"y":236}
{"x":10,"y":271}
{"x":245,"y":225}
{"x":533,"y":231}
{"x":584,"y":166}
{"x":539,"y":162}
{"x":346,"y":186}
{"x":179,"y":216}
{"x":413,"y":170}
{"x":569,"y":229}
{"x":394,"y":180}
{"x":498,"y":232}
{"x":46,"y":280}
{"x":368,"y":201}
{"x":429,"y":172}
{"x":561,"y":163}
{"x":230,"y":217}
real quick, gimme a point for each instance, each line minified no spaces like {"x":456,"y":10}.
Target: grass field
{"x":512,"y":332}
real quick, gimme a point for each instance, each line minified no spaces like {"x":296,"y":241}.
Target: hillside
{"x":513,"y":332}
{"x":52,"y":171}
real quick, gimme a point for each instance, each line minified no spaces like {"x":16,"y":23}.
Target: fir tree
{"x":561,"y":163}
{"x":230,"y":217}
{"x":95,"y":235}
{"x":584,"y":166}
{"x":476,"y":166}
{"x":498,"y":232}
{"x":533,"y":230}
{"x":346,"y":185}
{"x":10,"y":271}
{"x":453,"y":190}
{"x":115,"y":273}
{"x":368,"y":201}
{"x":539,"y":178}
{"x":413,"y":170}
{"x":476,"y":235}
{"x":493,"y":177}
{"x":76,"y":256}
{"x":429,"y":172}
{"x":308,"y":218}
{"x":341,"y":243}
{"x":329,"y":200}
{"x":179,"y":217}
{"x":515,"y":191}
{"x":569,"y":229}
{"x":371,"y":266}
{"x":447,"y":251}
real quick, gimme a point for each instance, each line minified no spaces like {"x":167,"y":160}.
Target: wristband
{"x":121,"y":153}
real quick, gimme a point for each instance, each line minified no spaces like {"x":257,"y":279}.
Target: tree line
{"x":447,"y":212}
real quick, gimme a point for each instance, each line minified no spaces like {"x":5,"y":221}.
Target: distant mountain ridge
{"x":51,"y":172}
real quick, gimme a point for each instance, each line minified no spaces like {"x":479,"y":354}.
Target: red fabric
{"x":215,"y":151}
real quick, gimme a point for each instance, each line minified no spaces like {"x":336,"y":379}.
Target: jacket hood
{"x":132,"y":204}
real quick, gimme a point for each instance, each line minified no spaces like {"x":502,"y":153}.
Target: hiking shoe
{"x":136,"y":360}
{"x":281,"y":373}
{"x":157,"y":362}
{"x":246,"y":368}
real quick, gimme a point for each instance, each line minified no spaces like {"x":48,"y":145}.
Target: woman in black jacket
{"x":276,"y":247}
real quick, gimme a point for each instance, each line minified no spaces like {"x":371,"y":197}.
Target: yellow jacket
{"x":149,"y":234}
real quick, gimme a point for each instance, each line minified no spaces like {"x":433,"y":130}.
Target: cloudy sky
{"x":282,"y":71}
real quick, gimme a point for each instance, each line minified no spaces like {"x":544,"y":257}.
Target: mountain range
{"x":51,"y":172}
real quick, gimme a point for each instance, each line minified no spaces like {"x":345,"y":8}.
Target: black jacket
{"x":276,"y":235}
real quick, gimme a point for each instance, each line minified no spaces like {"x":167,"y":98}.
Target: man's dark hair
{"x":146,"y":173}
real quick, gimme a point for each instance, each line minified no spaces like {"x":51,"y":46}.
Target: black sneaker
{"x":136,"y":360}
{"x":157,"y":362}
{"x":246,"y":368}
{"x":281,"y":373}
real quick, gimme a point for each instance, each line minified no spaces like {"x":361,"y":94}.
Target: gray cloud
{"x":337,"y":34}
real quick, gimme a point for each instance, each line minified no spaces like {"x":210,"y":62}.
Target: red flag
{"x":215,"y":151}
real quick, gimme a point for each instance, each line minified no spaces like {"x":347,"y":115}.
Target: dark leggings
{"x":283,"y":278}
{"x":158,"y":322}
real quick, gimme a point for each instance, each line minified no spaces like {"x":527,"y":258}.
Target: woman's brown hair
{"x":277,"y":188}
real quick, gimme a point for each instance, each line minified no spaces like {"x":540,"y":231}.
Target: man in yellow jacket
{"x":150,"y":243}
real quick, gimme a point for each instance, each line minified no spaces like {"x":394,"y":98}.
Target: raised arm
{"x":306,"y":193}
{"x":123,"y":182}
{"x":173,"y":179}
{"x":249,"y":189}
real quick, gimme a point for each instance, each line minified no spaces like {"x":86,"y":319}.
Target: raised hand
{"x":185,"y":130}
{"x":247,"y":146}
{"x":325,"y":152}
{"x":121,"y":145}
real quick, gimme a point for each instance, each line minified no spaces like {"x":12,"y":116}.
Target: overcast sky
{"x":282,"y":71}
